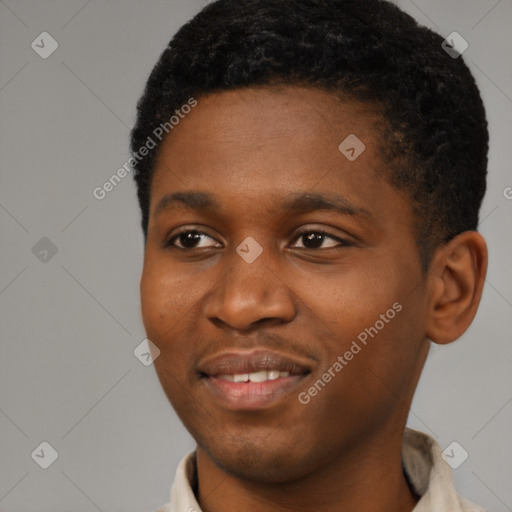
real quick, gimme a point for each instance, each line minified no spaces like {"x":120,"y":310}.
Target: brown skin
{"x":251,"y":148}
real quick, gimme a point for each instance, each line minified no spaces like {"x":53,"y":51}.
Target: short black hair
{"x":435,"y":141}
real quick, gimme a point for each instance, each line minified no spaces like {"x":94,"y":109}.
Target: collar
{"x":428,"y":474}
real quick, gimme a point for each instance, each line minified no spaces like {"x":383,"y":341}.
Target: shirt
{"x":427,"y":472}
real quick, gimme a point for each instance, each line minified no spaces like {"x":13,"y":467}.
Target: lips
{"x":256,"y":361}
{"x":252,"y":380}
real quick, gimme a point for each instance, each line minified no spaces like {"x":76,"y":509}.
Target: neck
{"x":367,"y":477}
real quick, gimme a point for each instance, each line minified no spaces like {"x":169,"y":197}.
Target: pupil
{"x":312,"y":240}
{"x":189,"y":240}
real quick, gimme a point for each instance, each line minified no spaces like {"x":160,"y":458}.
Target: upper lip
{"x":239,"y":362}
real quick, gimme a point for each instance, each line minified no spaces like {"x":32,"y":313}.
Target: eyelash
{"x":169,"y":244}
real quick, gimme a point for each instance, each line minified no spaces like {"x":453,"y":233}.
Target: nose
{"x":250,"y":294}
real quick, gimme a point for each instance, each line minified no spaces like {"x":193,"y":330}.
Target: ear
{"x":456,"y":278}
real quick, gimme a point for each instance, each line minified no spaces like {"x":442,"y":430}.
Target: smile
{"x":252,"y":380}
{"x":260,"y":376}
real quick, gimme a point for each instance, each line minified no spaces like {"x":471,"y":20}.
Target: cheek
{"x":165,"y":298}
{"x":165,"y":304}
{"x":347,"y":302}
{"x":372,"y":320}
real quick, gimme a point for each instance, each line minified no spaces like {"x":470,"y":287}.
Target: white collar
{"x":428,"y":473}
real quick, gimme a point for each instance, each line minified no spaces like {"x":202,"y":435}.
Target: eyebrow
{"x":294,"y":203}
{"x":190,"y":200}
{"x":309,"y":202}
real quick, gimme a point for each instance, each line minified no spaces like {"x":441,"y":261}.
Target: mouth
{"x":252,"y":380}
{"x":261,"y":376}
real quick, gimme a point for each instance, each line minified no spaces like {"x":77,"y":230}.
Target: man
{"x":309,"y":184}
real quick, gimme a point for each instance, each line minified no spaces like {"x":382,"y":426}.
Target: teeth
{"x":230,"y":378}
{"x":260,"y":376}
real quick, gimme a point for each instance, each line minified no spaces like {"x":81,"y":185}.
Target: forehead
{"x":271,"y":113}
{"x":253,"y":150}
{"x":270,"y":136}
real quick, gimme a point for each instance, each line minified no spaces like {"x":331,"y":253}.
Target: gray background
{"x":69,"y":325}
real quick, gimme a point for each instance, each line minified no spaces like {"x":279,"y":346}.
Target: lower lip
{"x":251,"y":395}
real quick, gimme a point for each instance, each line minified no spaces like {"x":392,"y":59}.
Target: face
{"x":281,"y":282}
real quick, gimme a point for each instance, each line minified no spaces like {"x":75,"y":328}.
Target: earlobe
{"x":457,"y":275}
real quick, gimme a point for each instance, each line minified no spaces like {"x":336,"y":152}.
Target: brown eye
{"x":190,"y":240}
{"x":318,"y":239}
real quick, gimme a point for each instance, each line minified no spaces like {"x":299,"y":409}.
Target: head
{"x":370,"y":252}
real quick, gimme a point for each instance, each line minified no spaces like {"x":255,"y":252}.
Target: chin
{"x":259,"y":462}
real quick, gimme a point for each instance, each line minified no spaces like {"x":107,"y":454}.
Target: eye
{"x":190,"y":240}
{"x":310,"y":239}
{"x":315,"y":238}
